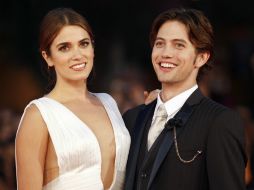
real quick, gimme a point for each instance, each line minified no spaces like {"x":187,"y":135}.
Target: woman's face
{"x":71,"y":54}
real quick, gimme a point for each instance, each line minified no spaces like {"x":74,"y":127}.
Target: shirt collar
{"x":174,"y":104}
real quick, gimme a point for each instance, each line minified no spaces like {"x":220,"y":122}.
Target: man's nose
{"x":167,"y":51}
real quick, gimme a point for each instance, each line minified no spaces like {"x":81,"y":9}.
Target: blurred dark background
{"x":122,"y":59}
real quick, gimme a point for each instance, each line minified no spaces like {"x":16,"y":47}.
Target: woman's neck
{"x":65,"y":92}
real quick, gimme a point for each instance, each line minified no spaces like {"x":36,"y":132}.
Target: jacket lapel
{"x":167,"y":142}
{"x":144,"y":116}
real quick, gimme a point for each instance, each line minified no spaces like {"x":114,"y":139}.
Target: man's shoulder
{"x":136,"y":110}
{"x":132,"y":113}
{"x":217,"y":106}
{"x":130,"y":116}
{"x":219,"y":113}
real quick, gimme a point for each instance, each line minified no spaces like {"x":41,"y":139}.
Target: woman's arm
{"x":31,"y":147}
{"x":151,"y":96}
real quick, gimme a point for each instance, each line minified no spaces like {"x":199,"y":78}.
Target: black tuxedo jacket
{"x":208,"y":127}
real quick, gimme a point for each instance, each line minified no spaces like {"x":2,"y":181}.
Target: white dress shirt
{"x":173,"y":105}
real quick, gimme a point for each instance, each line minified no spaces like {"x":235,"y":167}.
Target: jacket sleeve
{"x":226,"y":158}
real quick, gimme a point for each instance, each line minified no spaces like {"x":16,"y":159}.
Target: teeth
{"x":167,"y":65}
{"x":79,"y":66}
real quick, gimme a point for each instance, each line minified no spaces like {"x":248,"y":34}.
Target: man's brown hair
{"x":199,"y":30}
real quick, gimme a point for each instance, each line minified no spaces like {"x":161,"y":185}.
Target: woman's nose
{"x":77,"y":53}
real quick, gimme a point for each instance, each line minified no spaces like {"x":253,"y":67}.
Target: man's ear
{"x":201,"y":59}
{"x":47,"y":58}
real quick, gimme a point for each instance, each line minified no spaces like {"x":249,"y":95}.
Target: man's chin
{"x":164,"y":80}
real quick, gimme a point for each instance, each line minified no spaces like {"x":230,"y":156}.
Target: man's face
{"x":174,"y":57}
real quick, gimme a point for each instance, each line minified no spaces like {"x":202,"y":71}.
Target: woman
{"x":70,"y":138}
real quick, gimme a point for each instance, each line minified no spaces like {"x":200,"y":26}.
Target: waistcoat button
{"x":143,"y":175}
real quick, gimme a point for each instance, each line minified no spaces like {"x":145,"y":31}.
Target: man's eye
{"x":158,"y":44}
{"x":179,"y":46}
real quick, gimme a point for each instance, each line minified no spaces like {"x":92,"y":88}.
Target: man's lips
{"x":167,"y":65}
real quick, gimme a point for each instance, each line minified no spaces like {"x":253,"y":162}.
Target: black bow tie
{"x":174,"y":122}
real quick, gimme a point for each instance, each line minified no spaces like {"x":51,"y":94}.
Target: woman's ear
{"x":201,"y":59}
{"x":47,"y":58}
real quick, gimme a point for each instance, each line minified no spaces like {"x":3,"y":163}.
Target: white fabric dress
{"x":77,"y":149}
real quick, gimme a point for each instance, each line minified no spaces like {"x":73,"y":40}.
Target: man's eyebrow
{"x":174,"y":40}
{"x":180,"y":40}
{"x":159,"y":38}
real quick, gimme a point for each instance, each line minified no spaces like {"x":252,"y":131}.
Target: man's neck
{"x":168,"y":91}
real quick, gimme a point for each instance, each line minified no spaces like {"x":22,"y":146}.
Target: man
{"x":201,"y":146}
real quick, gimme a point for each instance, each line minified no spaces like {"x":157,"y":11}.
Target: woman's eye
{"x":84,"y":44}
{"x":64,"y":48}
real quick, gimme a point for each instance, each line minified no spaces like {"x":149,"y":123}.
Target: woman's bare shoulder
{"x":32,"y":123}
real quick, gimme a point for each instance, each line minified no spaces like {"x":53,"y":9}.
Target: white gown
{"x":77,"y":149}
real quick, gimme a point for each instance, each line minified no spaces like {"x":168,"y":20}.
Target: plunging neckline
{"x":92,"y":133}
